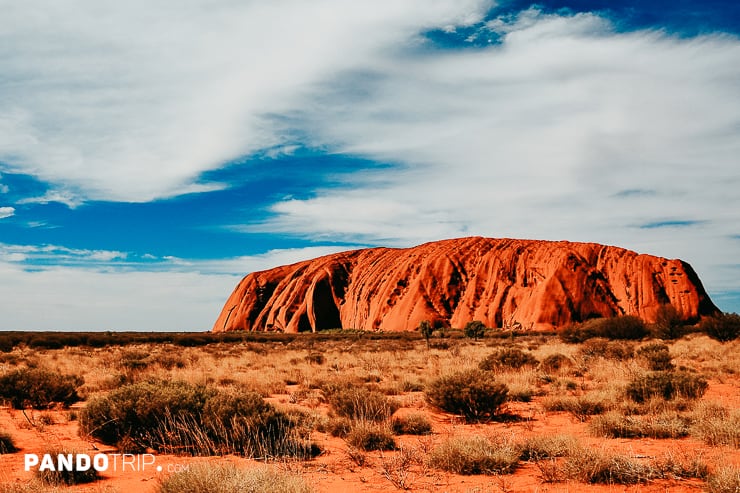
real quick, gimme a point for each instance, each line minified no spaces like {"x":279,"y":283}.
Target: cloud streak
{"x":109,"y":290}
{"x":539,"y":136}
{"x":132,"y":101}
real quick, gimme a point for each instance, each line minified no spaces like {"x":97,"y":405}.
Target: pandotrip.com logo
{"x":81,"y":462}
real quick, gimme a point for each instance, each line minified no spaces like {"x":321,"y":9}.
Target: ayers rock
{"x":539,"y":284}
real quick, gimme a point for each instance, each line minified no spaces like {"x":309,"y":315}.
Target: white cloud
{"x":541,"y":137}
{"x":66,"y":298}
{"x":58,"y":288}
{"x":133,"y":100}
{"x":6,"y":212}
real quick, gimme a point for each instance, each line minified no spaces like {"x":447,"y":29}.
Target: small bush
{"x":316,"y":358}
{"x":472,"y":394}
{"x":178,"y":417}
{"x":361,"y":403}
{"x":594,"y":466}
{"x":368,"y":436}
{"x":542,"y":447}
{"x":206,"y":478}
{"x":6,"y":444}
{"x":555,"y":362}
{"x":621,"y":327}
{"x":616,"y":425}
{"x":581,"y":407}
{"x":667,"y":385}
{"x":719,"y":429}
{"x":39,"y":388}
{"x":475,"y":455}
{"x":474,"y":329}
{"x":669,"y":323}
{"x":411,"y":424}
{"x":604,"y":348}
{"x":513,"y":358}
{"x":64,"y":476}
{"x":655,"y":356}
{"x":724,"y":480}
{"x":723,"y":326}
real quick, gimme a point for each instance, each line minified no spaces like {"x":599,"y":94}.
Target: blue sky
{"x":151,"y":155}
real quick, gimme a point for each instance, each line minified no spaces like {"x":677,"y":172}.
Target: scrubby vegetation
{"x":406,"y":414}
{"x":228,"y":479}
{"x":184,"y":418}
{"x":723,"y":326}
{"x":667,"y":385}
{"x":66,"y":476}
{"x":7,"y":446}
{"x":623,"y":327}
{"x":39,"y":388}
{"x":472,"y":394}
{"x":475,"y":455}
{"x":507,"y":358}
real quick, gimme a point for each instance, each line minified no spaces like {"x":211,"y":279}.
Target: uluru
{"x":501,"y":282}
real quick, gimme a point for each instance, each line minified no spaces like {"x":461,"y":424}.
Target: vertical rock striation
{"x":538,"y":284}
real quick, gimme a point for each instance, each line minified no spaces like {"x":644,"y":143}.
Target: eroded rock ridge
{"x":502,"y":282}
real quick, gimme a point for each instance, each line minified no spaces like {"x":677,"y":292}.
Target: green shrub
{"x":367,"y":436}
{"x":411,"y":424}
{"x":620,"y":327}
{"x":513,"y":358}
{"x":6,"y":444}
{"x":207,"y":478}
{"x":669,"y":323}
{"x":666,"y":384}
{"x":39,"y":388}
{"x":361,"y":403}
{"x":655,"y":356}
{"x":723,"y":326}
{"x":475,"y":455}
{"x":472,"y":394}
{"x":178,"y":417}
{"x":64,"y":476}
{"x":474,"y":329}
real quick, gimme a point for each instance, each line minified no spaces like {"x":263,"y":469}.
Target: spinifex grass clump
{"x":360,"y":403}
{"x":667,"y":385}
{"x":228,"y":479}
{"x":474,"y":394}
{"x":475,"y":455}
{"x":39,"y":388}
{"x":178,"y":417}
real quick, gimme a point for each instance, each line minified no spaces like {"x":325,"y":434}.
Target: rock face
{"x":501,"y":282}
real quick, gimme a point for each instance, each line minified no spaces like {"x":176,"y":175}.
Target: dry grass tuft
{"x":228,"y":479}
{"x":475,"y":455}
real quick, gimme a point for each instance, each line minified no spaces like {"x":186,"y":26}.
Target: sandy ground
{"x":335,"y":471}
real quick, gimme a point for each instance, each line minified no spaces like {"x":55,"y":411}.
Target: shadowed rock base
{"x":501,"y":282}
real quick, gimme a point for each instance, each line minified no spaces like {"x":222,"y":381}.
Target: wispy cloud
{"x":133,"y":100}
{"x":539,"y":136}
{"x":673,"y":223}
{"x":6,"y":212}
{"x":101,"y":290}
